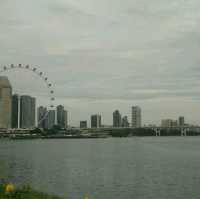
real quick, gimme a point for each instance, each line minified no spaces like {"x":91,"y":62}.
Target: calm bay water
{"x":114,"y":168}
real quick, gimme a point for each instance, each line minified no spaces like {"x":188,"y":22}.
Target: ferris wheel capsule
{"x":27,"y":66}
{"x":20,"y":65}
{"x":4,"y":67}
{"x":12,"y":66}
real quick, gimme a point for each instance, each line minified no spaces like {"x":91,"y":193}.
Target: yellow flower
{"x":10,"y":188}
{"x":86,"y":197}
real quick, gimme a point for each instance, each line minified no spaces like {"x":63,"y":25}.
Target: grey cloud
{"x":107,"y":52}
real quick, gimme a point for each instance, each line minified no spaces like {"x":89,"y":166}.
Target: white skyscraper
{"x":136,"y":117}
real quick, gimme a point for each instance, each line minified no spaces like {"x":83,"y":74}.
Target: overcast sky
{"x":103,"y":55}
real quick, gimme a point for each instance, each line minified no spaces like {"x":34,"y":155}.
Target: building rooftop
{"x":4,"y":82}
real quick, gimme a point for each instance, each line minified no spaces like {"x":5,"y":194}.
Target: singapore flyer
{"x":34,"y":83}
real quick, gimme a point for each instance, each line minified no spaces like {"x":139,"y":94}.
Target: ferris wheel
{"x":41,"y":76}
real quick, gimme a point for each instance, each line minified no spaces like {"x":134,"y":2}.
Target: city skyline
{"x":106,"y":55}
{"x":60,"y":115}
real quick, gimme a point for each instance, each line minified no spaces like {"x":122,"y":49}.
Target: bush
{"x":8,"y":191}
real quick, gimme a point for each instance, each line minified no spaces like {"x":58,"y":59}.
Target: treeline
{"x":121,"y":132}
{"x":56,"y":129}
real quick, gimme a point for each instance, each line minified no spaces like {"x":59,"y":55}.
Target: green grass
{"x":23,"y":193}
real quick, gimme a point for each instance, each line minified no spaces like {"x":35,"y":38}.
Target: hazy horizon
{"x":107,"y":55}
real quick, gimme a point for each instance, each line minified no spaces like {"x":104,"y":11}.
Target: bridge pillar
{"x":184,"y":131}
{"x":157,"y":131}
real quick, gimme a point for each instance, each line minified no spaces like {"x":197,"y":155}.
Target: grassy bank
{"x":9,"y":191}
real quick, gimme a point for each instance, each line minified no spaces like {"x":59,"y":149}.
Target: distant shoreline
{"x":82,"y":137}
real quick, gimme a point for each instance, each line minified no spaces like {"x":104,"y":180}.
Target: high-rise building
{"x":181,"y":121}
{"x":65,"y":119}
{"x":60,"y":116}
{"x":83,"y":124}
{"x":51,"y":119}
{"x":117,"y":119}
{"x":33,"y":110}
{"x":125,"y":122}
{"x":96,"y":121}
{"x":27,"y":111}
{"x":136,"y":117}
{"x":42,"y":115}
{"x":5,"y":102}
{"x":15,"y":110}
